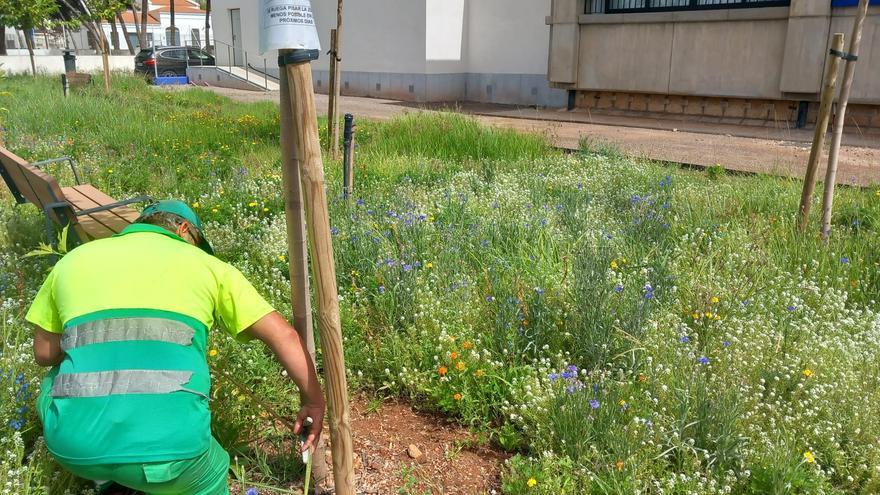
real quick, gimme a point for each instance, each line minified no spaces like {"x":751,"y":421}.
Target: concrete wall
{"x":54,"y":64}
{"x":761,"y":53}
{"x":424,"y":50}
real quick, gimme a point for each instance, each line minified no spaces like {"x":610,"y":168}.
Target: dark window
{"x":196,"y":54}
{"x":174,"y":54}
{"x":630,"y":6}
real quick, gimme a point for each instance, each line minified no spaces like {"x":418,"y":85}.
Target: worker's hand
{"x":316,"y":412}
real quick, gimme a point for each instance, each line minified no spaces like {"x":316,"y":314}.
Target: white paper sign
{"x":287,"y":24}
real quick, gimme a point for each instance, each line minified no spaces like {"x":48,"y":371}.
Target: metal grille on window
{"x":633,"y":6}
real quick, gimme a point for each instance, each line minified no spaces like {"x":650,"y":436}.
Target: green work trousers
{"x":201,"y":475}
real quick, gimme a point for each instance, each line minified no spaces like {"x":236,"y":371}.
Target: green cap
{"x":182,"y":210}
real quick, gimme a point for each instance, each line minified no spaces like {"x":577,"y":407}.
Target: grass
{"x":621,"y":326}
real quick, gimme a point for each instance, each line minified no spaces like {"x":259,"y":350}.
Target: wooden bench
{"x":90,"y":213}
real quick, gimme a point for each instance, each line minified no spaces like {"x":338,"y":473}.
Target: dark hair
{"x":169,"y":222}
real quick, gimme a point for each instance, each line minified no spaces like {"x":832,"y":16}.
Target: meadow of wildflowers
{"x":618,"y":326}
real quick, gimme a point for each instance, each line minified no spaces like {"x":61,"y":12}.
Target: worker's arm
{"x":282,"y":339}
{"x":47,"y":347}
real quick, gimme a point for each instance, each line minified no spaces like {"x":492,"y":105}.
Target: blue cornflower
{"x":360,"y":202}
{"x":568,"y":375}
{"x":539,"y":291}
{"x":490,"y":298}
{"x":580,"y":186}
{"x":407,"y":267}
{"x":792,"y":308}
{"x":371,"y":212}
{"x":16,"y":424}
{"x":594,"y":403}
{"x":381,"y":289}
{"x":725,"y":344}
{"x":334,"y":230}
{"x":703,"y":360}
{"x":684,"y":339}
{"x":844,"y":260}
{"x":572,"y":368}
{"x":544,"y":222}
{"x":484,"y":243}
{"x":649,"y":291}
{"x":553,"y":377}
{"x":570,"y":389}
{"x":618,"y":288}
{"x":252,"y":491}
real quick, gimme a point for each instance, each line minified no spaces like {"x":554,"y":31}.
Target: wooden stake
{"x":307,"y":151}
{"x":849,"y":71}
{"x":297,"y":250}
{"x":336,"y":76}
{"x":832,"y":62}
{"x":332,"y":127}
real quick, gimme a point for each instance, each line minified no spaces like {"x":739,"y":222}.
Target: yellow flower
{"x":614,"y":264}
{"x":214,"y":210}
{"x":431,"y":218}
{"x":459,"y":366}
{"x":442,"y":371}
{"x":622,"y":402}
{"x":877,"y":193}
{"x":456,"y":396}
{"x":109,"y":170}
{"x":717,"y":316}
{"x":715,"y":300}
{"x":429,"y":265}
{"x":707,"y":314}
{"x":809,"y":457}
{"x":212,"y":352}
{"x":467,"y":345}
{"x":281,"y":258}
{"x":265,"y":209}
{"x":532,"y":482}
{"x":696,"y":315}
{"x":808,"y":372}
{"x":479,"y":373}
{"x":196,"y":204}
{"x":619,"y":465}
{"x":252,"y":204}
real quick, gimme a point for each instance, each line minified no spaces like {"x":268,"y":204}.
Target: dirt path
{"x":742,"y":148}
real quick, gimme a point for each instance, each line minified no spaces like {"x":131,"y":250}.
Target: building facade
{"x":742,"y":60}
{"x":416,"y":50}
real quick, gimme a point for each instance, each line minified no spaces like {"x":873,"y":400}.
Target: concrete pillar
{"x":564,"y":41}
{"x":806,"y":43}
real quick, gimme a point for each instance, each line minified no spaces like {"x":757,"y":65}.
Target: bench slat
{"x":112,"y":222}
{"x":125,"y":212}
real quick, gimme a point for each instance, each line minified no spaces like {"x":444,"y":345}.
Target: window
{"x":197,"y":56}
{"x":174,"y":54}
{"x":172,"y":36}
{"x":194,"y":38}
{"x":631,"y":6}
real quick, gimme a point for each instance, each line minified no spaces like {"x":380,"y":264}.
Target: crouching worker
{"x":124,"y":324}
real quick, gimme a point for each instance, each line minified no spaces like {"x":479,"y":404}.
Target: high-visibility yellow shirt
{"x":134,"y":311}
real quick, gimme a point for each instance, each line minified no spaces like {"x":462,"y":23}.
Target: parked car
{"x":170,"y":60}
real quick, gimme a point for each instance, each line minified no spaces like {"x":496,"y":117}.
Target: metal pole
{"x":155,"y":60}
{"x":347,"y":148}
{"x":229,"y":57}
{"x":64,"y":84}
{"x":247,"y":75}
{"x":265,"y":76}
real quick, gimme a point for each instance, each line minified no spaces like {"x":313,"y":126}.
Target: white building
{"x":416,"y":50}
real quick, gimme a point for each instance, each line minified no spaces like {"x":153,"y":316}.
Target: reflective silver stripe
{"x":103,"y":383}
{"x":123,"y":329}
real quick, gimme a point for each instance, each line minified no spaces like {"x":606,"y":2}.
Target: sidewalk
{"x":742,"y":148}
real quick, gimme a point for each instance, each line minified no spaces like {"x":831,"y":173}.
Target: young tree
{"x":175,"y":39}
{"x":208,"y":24}
{"x":91,"y":13}
{"x":27,"y":15}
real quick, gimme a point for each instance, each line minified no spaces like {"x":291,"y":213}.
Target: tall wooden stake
{"x":832,"y":62}
{"x":307,"y":152}
{"x":849,"y":71}
{"x":297,"y":247}
{"x":335,"y":83}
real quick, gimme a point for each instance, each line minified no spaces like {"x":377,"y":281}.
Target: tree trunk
{"x":114,"y":34}
{"x":174,"y":37}
{"x":208,"y":25}
{"x":137,"y":27}
{"x":30,"y":46}
{"x":105,"y":57}
{"x":145,"y":10}
{"x":3,"y":38}
{"x":125,"y":32}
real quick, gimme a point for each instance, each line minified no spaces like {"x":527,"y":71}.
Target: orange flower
{"x":467,"y":345}
{"x":459,"y":366}
{"x":454,"y":355}
{"x":442,"y":371}
{"x":479,"y":373}
{"x":457,"y":396}
{"x":619,"y":465}
{"x":642,"y":377}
